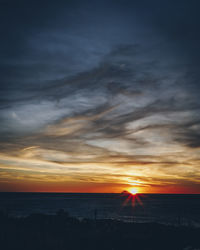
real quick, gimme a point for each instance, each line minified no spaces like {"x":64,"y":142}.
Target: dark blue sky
{"x":100,"y":92}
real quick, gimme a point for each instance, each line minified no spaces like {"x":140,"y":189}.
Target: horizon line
{"x":46,"y":192}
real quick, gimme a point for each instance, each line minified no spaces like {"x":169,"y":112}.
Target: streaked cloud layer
{"x":100,"y":96}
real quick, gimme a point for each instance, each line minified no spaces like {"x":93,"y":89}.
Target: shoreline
{"x":60,"y":231}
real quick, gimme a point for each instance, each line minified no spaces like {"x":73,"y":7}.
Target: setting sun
{"x":133,"y":191}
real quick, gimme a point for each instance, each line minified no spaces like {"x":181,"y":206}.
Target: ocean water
{"x":162,"y":208}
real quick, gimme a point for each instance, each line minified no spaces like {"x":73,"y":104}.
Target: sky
{"x":100,"y":96}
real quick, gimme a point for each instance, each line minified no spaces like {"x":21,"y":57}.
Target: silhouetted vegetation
{"x":62,"y":232}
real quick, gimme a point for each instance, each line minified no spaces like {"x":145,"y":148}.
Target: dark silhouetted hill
{"x":62,"y":232}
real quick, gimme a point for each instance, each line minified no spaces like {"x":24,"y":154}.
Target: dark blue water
{"x":162,"y":208}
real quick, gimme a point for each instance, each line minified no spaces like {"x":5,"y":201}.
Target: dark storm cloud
{"x":189,"y":134}
{"x":121,"y":73}
{"x":51,"y":26}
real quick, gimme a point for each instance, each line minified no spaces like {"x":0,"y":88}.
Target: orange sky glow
{"x":26,"y":173}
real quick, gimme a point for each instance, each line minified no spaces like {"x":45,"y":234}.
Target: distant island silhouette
{"x":125,"y":192}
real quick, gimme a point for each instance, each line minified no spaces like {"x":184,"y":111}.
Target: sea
{"x":169,"y":209}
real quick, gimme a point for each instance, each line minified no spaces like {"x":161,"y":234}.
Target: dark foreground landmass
{"x":61,"y":232}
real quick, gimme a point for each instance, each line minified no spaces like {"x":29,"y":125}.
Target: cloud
{"x":109,"y":89}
